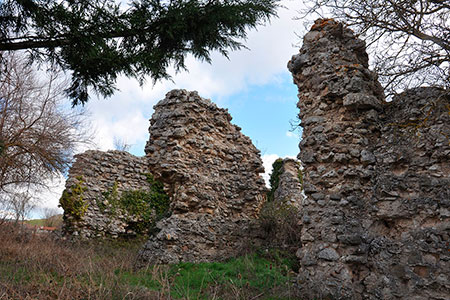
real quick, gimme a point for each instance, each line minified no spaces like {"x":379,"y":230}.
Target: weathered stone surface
{"x":99,"y":172}
{"x":211,"y":171}
{"x":377,"y":177}
{"x":289,"y":188}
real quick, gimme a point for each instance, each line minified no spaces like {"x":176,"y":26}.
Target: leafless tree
{"x":37,"y":135}
{"x":409,"y":40}
{"x":5,"y":212}
{"x":50,"y":216}
{"x":22,"y":204}
{"x":19,"y":204}
{"x":121,"y":145}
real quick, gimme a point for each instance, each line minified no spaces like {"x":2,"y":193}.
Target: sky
{"x":254,"y":84}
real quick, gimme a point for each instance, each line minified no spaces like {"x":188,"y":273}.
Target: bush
{"x":280,"y":222}
{"x":274,"y":178}
{"x":143,"y":207}
{"x":72,"y":200}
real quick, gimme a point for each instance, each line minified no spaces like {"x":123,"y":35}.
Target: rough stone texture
{"x":289,"y":186}
{"x":211,"y":171}
{"x":376,"y":217}
{"x":100,"y":171}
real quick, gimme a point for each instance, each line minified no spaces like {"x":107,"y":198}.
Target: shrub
{"x":144,"y":207}
{"x":42,"y":267}
{"x":72,"y":200}
{"x":274,"y":178}
{"x":280,"y":222}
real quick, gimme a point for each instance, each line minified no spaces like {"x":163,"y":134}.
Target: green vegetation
{"x":53,"y":221}
{"x":237,"y":278}
{"x":96,"y":41}
{"x":72,"y":200}
{"x":274,"y":178}
{"x":112,"y":200}
{"x":147,"y":207}
{"x":35,"y":222}
{"x":280,"y":221}
{"x":104,"y":270}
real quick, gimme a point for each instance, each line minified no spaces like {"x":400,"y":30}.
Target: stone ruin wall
{"x":377,"y":177}
{"x":289,"y":188}
{"x":99,"y":172}
{"x":211,"y":171}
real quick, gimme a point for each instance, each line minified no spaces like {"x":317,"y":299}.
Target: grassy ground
{"x":38,"y":267}
{"x":54,"y":221}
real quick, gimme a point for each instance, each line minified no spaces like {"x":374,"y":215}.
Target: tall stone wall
{"x":97,"y":174}
{"x":211,"y":171}
{"x":377,"y":177}
{"x":289,"y":188}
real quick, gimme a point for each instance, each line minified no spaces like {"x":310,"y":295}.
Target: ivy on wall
{"x":274,"y":178}
{"x":72,"y":200}
{"x":143,"y":207}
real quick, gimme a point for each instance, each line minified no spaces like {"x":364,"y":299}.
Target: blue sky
{"x":264,"y":113}
{"x":254,"y":84}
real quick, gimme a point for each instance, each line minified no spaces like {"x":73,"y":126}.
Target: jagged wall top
{"x":336,"y":65}
{"x":97,"y":172}
{"x":211,"y":171}
{"x":376,"y":175}
{"x":209,"y":164}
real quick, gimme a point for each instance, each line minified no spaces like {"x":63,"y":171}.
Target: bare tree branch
{"x":408,"y":40}
{"x":37,"y":136}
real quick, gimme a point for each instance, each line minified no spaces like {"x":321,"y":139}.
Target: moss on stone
{"x":72,"y":200}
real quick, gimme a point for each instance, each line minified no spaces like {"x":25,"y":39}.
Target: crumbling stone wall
{"x":211,"y":171}
{"x":377,"y":177}
{"x":95,"y":174}
{"x":289,"y":188}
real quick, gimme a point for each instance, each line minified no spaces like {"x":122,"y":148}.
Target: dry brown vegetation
{"x":36,"y":266}
{"x":41,"y":266}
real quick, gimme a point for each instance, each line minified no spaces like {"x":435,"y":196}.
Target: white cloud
{"x":292,"y":134}
{"x":125,"y":115}
{"x":49,"y":198}
{"x":268,"y":160}
{"x":6,"y":215}
{"x":270,"y":47}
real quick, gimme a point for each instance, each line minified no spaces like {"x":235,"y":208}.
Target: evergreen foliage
{"x":98,"y":40}
{"x":274,"y":178}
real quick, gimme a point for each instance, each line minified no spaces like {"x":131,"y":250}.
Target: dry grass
{"x":36,"y":266}
{"x":39,"y":267}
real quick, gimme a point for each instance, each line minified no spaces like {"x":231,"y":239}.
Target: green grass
{"x":38,"y":267}
{"x":251,"y":273}
{"x":53,"y":221}
{"x":35,"y":222}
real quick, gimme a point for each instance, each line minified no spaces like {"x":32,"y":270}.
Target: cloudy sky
{"x":254,"y":84}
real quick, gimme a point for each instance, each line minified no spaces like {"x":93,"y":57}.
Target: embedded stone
{"x":214,"y":182}
{"x":328,"y":254}
{"x":389,"y":165}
